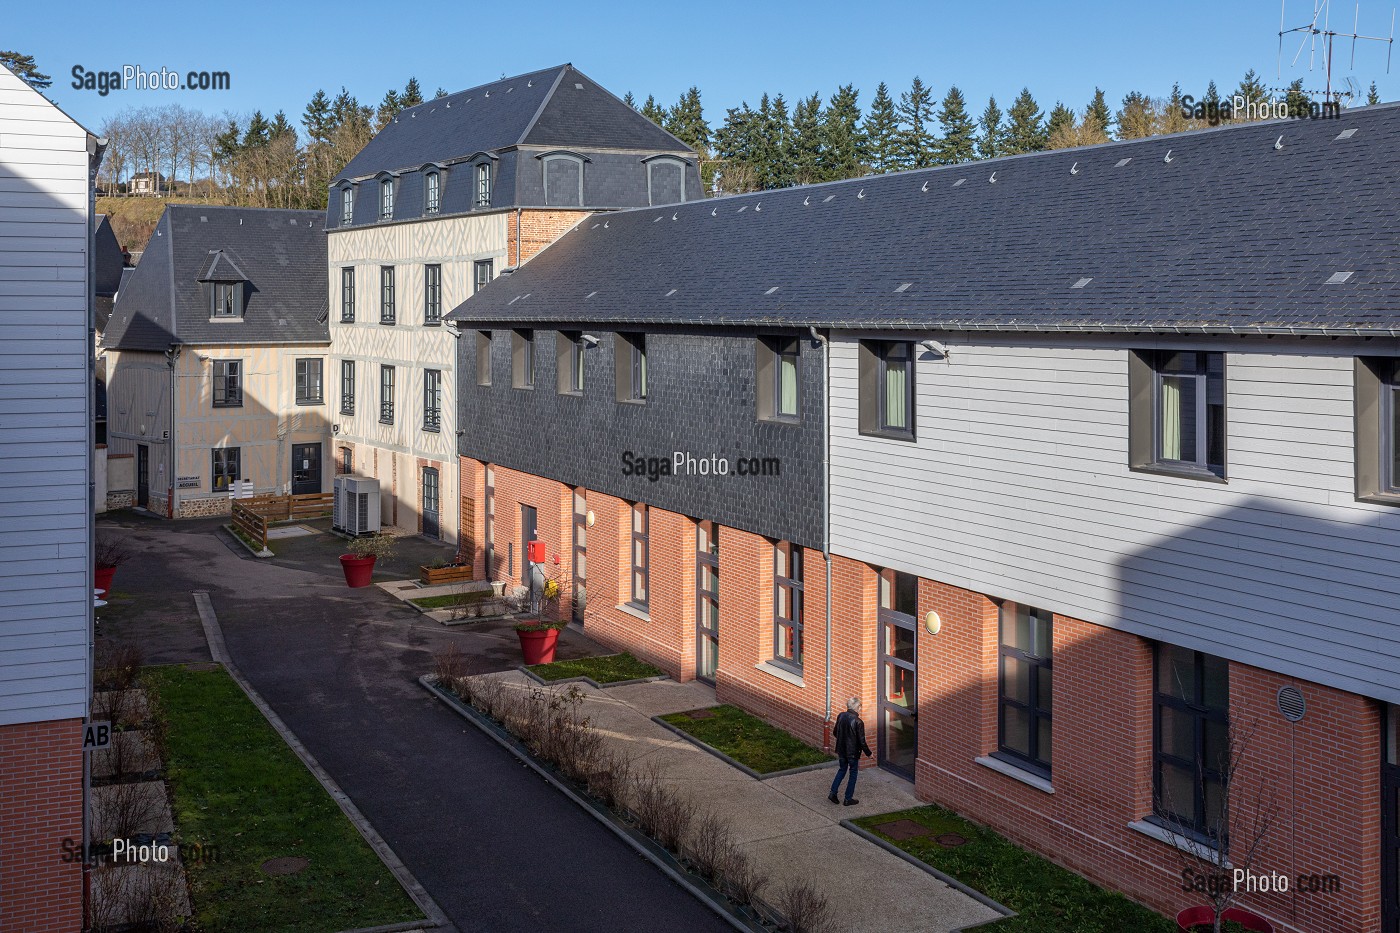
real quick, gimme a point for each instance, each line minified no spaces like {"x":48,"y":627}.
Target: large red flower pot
{"x":102,"y":578}
{"x":358,"y":570}
{"x":538,"y":647}
{"x":1203,"y":918}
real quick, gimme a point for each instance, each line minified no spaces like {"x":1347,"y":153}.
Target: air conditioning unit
{"x":356,"y":508}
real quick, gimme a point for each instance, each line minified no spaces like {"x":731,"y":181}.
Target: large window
{"x":386,"y":199}
{"x":887,"y":388}
{"x":481,"y":270}
{"x":641,"y":574}
{"x":347,"y":295}
{"x":898,"y":671}
{"x":1188,"y":412}
{"x":228,"y":383}
{"x":347,"y":205}
{"x":1026,"y":687}
{"x":706,"y":600}
{"x":432,"y":192}
{"x":386,"y":394}
{"x":1377,"y":429}
{"x":386,"y":295}
{"x":1391,"y":428}
{"x":432,"y":294}
{"x":631,"y":363}
{"x":776,"y":368}
{"x":226,"y":470}
{"x":568,"y":354}
{"x":432,"y":400}
{"x":309,"y":382}
{"x":347,"y":388}
{"x":580,"y":545}
{"x":522,"y":359}
{"x":483,"y":357}
{"x":226,"y":300}
{"x":347,"y":460}
{"x":483,"y":185}
{"x":1191,"y":720}
{"x":787,"y":604}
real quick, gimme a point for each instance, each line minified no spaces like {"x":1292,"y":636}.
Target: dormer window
{"x":665,"y":181}
{"x":563,"y":180}
{"x":347,"y":205}
{"x":432,"y":192}
{"x":483,"y":185}
{"x":228,"y":300}
{"x":386,"y":199}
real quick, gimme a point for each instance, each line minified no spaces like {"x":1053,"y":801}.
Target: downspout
{"x":826,"y":516}
{"x":518,"y":234}
{"x":171,"y":356}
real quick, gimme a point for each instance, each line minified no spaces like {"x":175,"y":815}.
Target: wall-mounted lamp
{"x":932,"y":623}
{"x":590,"y":518}
{"x":935,"y":346}
{"x":589,"y":341}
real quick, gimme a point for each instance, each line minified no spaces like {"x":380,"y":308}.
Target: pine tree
{"x":1061,"y":118}
{"x":735,"y":143}
{"x":1296,"y":100}
{"x":317,"y":118}
{"x":1171,"y":119}
{"x":775,"y":146}
{"x":843,"y":143}
{"x":440,"y":92}
{"x":280,"y":126}
{"x":1026,"y":131}
{"x":1251,"y":91}
{"x":412,"y":94}
{"x":1097,"y":118}
{"x":917,"y":144}
{"x":686,"y":122}
{"x":807,"y":140}
{"x":629,"y":100}
{"x":654,"y":111}
{"x":992,"y":140}
{"x":959,"y":140}
{"x":24,"y":68}
{"x":256,"y":134}
{"x":1373,"y":96}
{"x":1212,"y":95}
{"x":882,"y":132}
{"x":389,"y":108}
{"x":1138,"y":117}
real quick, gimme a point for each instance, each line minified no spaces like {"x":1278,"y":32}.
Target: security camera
{"x":934,"y":346}
{"x":589,"y":341}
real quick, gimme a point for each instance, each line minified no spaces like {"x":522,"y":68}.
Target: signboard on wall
{"x":187,"y":482}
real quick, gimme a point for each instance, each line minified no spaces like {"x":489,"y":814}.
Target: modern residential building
{"x":217,"y":359}
{"x":454,"y":192}
{"x":47,"y":167}
{"x":1068,"y":464}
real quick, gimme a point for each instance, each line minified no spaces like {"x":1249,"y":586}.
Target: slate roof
{"x":1234,"y":229}
{"x":282,"y":255}
{"x":556,"y":106}
{"x":106,"y":257}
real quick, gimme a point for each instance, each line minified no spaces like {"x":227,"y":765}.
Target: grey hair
{"x":853,"y":704}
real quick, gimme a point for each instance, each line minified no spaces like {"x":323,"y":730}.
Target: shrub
{"x":710,"y":837}
{"x":109,"y":551}
{"x":805,"y":909}
{"x":380,"y":546}
{"x":449,"y":667}
{"x":124,"y":810}
{"x":116,"y":666}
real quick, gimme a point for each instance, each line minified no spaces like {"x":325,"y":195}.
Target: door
{"x":898,"y":707}
{"x":306,"y":469}
{"x":1390,"y":823}
{"x":580,"y":601}
{"x":431,"y":497}
{"x":707,"y":601}
{"x":143,"y":475}
{"x":527,"y":534}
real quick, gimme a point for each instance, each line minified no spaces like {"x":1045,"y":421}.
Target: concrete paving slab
{"x":131,"y":752}
{"x":663,"y":697}
{"x":142,"y":805}
{"x":877,"y":790}
{"x":281,"y":532}
{"x":124,"y":894}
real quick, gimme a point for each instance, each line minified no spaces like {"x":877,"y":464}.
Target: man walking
{"x":849,"y":736}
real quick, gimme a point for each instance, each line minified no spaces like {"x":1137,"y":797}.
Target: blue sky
{"x":280,"y":53}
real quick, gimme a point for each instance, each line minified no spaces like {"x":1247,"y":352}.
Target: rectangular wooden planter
{"x":432,"y":576}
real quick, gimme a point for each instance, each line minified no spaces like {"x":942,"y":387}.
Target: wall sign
{"x":187,"y":482}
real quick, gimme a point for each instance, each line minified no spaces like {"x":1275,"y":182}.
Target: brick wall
{"x":41,"y":805}
{"x":537,"y":229}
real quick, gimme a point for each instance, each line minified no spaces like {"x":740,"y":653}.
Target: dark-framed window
{"x":568,"y":354}
{"x":386,"y":394}
{"x":1187,"y":416}
{"x":228,"y":383}
{"x":630,"y":352}
{"x":641,"y":563}
{"x":1390,"y":428}
{"x":1026,"y":687}
{"x":580,"y":551}
{"x":347,"y":205}
{"x":489,"y":520}
{"x":347,"y":460}
{"x":310,"y":389}
{"x":886,"y":391}
{"x":432,"y":400}
{"x":483,"y":185}
{"x":226,"y":469}
{"x":432,"y":192}
{"x":483,"y":357}
{"x":432,"y":294}
{"x":776,"y":360}
{"x":665,"y":181}
{"x":522,"y":359}
{"x":386,"y":199}
{"x":347,"y":295}
{"x":1191,"y":741}
{"x":482,"y":270}
{"x":347,"y":388}
{"x":386,"y":295}
{"x":787,"y":604}
{"x":226,"y":299}
{"x":563,"y":180}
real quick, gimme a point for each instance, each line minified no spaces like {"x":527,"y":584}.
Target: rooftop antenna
{"x":1321,"y":38}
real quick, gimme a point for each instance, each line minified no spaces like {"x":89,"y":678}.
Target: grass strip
{"x":605,"y":669}
{"x":453,"y":600}
{"x":748,"y":739}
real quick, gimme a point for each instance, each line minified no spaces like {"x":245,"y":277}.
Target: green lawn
{"x":239,"y":789}
{"x":1046,"y":897}
{"x":748,"y":739}
{"x":452,"y":600}
{"x":607,"y":669}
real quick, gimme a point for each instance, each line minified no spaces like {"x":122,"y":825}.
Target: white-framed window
{"x":432,"y":192}
{"x":386,"y":199}
{"x":347,"y":205}
{"x":483,"y":185}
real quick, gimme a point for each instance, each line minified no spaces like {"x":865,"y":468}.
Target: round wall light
{"x":591,"y":518}
{"x":932,"y":623}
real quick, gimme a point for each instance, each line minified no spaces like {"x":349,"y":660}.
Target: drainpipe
{"x":518,"y":234}
{"x":171,"y":356}
{"x":826,"y":516}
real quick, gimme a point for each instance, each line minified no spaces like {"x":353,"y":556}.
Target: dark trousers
{"x":851,"y":764}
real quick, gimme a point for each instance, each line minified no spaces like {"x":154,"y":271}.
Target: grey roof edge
{"x":165,"y":216}
{"x":544,"y":102}
{"x":622,"y":103}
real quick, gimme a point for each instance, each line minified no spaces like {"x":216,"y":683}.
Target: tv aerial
{"x":1319,"y":39}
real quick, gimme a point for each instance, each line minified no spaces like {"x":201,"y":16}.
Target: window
{"x":898,"y":679}
{"x":226,"y":469}
{"x":309,"y":391}
{"x":665,"y":181}
{"x":432,"y":294}
{"x":347,"y":205}
{"x":483,"y":357}
{"x":887,"y":389}
{"x":432,"y":192}
{"x":347,"y":460}
{"x":347,"y":388}
{"x":386,"y":394}
{"x":482,"y":269}
{"x":483,"y":185}
{"x":489,"y":520}
{"x":776,"y":368}
{"x":563,"y":181}
{"x":1177,"y":412}
{"x":641,"y":575}
{"x":1026,"y":687}
{"x":347,"y":295}
{"x":386,"y":294}
{"x":228,"y":383}
{"x":522,"y":359}
{"x":386,"y":199}
{"x":1377,"y":429}
{"x":226,"y":299}
{"x":568,"y":352}
{"x":432,"y":400}
{"x":787,"y":604}
{"x":631,"y":353}
{"x":1391,"y":429}
{"x":706,"y":601}
{"x":1191,"y":731}
{"x":580,"y":545}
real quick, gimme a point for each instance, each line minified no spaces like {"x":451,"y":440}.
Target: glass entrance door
{"x":706,"y":601}
{"x":898,"y":708}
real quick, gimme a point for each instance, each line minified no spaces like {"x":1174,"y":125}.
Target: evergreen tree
{"x":992,"y":140}
{"x":686,"y":122}
{"x":1373,"y":96}
{"x":1171,"y":119}
{"x":24,"y":68}
{"x":843,"y":143}
{"x":1026,"y":130}
{"x":317,"y":118}
{"x":440,"y":92}
{"x":1061,"y":119}
{"x":280,"y":127}
{"x":882,"y":132}
{"x":629,"y":100}
{"x":1138,"y":117}
{"x":1097,"y":117}
{"x":654,"y":111}
{"x":389,"y":108}
{"x":412,"y":94}
{"x":807,"y":139}
{"x":1251,"y":90}
{"x":917,"y":144}
{"x":959,"y":140}
{"x":1296,"y":100}
{"x":775,"y":146}
{"x":735,"y":144}
{"x":228,"y":143}
{"x":256,"y":134}
{"x":1212,"y":95}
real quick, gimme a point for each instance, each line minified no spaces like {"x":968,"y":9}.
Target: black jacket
{"x":849,"y":736}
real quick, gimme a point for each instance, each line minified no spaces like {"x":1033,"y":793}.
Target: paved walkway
{"x":786,"y":823}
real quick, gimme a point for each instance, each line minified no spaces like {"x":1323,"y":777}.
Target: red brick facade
{"x":530,"y":231}
{"x":1327,"y":805}
{"x":41,"y":805}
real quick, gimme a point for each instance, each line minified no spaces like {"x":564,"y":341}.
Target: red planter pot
{"x":102,"y":578}
{"x":358,"y":570}
{"x":538,"y":647}
{"x":1193,"y":918}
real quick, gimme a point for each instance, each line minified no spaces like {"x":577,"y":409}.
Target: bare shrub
{"x":805,"y":909}
{"x":738,"y":876}
{"x":710,"y":837}
{"x":109,"y":551}
{"x":116,"y":666}
{"x":491,"y":696}
{"x":157,"y":727}
{"x":610,"y":779}
{"x":660,"y":811}
{"x":121,"y":708}
{"x":449,"y":666}
{"x":131,"y":898}
{"x":122,"y":811}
